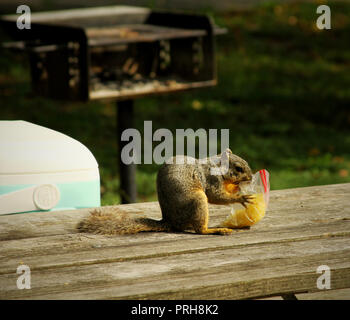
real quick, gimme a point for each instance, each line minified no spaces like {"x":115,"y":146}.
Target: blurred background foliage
{"x":283,"y":91}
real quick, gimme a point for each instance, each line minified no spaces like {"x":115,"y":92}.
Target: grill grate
{"x":116,"y":52}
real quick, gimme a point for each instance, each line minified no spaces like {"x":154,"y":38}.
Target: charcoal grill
{"x":118,"y":53}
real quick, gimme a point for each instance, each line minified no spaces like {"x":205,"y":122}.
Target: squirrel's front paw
{"x":245,"y":199}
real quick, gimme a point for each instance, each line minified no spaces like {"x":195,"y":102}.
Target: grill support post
{"x":127,"y":173}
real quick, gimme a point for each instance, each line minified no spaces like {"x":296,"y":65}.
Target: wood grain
{"x":303,"y":228}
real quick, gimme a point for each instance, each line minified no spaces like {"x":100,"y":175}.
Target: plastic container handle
{"x":42,"y":197}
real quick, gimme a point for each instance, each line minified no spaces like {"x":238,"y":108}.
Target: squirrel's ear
{"x":224,"y":163}
{"x":225,"y":155}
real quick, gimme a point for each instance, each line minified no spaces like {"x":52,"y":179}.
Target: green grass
{"x":283,"y":92}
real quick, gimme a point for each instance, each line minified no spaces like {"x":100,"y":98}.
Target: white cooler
{"x":42,"y":169}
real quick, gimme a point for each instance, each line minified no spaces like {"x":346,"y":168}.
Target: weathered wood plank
{"x":287,"y":207}
{"x":76,"y":249}
{"x":303,"y":229}
{"x":258,"y":270}
{"x":37,"y":224}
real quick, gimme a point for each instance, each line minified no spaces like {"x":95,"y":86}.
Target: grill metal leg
{"x":127,"y":173}
{"x":289,"y":296}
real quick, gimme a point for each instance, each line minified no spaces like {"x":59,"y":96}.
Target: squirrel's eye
{"x":238,"y":169}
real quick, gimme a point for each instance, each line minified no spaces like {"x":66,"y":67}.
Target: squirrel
{"x":185,"y":186}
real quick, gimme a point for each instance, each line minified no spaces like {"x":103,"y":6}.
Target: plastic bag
{"x":259,"y":189}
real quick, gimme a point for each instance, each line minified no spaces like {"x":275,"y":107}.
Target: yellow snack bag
{"x":247,"y":216}
{"x":259,"y":190}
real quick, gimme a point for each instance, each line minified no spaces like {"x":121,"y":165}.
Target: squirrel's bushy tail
{"x":119,"y":222}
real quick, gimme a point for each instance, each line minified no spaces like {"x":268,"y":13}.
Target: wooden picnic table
{"x":303,"y":229}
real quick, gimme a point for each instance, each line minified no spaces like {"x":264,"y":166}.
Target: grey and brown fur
{"x":184,"y":191}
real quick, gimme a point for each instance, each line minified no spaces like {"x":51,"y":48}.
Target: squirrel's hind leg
{"x":201,"y":217}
